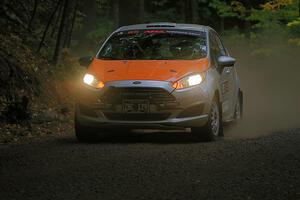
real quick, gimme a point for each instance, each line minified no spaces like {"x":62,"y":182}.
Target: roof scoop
{"x":161,"y":25}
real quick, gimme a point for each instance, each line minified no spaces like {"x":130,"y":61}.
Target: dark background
{"x":40,"y":43}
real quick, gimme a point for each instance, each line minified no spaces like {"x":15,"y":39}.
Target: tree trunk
{"x":130,"y":12}
{"x":90,"y":10}
{"x":222,"y":24}
{"x":115,"y":12}
{"x":8,"y":13}
{"x":48,"y":26}
{"x":69,"y":22}
{"x":69,"y":38}
{"x":59,"y":40}
{"x":187,"y":11}
{"x":191,"y":11}
{"x":247,"y":23}
{"x":194,"y":11}
{"x":183,"y":10}
{"x":56,"y":24}
{"x":142,"y":11}
{"x":299,"y":7}
{"x":36,"y":2}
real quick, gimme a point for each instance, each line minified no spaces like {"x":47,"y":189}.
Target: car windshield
{"x":155,"y":45}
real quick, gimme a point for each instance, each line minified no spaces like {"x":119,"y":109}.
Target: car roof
{"x":165,"y":25}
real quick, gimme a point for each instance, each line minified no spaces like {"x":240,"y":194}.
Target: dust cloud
{"x":271,"y":86}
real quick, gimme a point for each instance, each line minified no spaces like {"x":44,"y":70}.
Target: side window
{"x":214,"y":49}
{"x":220,"y":46}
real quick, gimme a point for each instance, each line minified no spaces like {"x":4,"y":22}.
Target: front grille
{"x":156,"y":96}
{"x":137,"y":116}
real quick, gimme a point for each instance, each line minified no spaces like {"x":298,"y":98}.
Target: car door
{"x":227,"y":77}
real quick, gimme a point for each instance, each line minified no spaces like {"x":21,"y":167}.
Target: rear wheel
{"x":214,"y":126}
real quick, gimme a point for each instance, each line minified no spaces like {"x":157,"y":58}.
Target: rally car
{"x":159,"y":75}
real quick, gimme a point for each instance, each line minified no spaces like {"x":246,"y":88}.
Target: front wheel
{"x":214,"y":126}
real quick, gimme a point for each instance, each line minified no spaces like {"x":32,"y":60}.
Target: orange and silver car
{"x":159,"y":75}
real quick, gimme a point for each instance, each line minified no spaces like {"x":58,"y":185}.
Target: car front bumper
{"x":168,"y":107}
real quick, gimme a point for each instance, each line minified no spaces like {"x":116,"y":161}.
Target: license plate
{"x":135,"y":106}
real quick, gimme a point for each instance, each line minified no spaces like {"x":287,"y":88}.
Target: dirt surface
{"x":153,"y":166}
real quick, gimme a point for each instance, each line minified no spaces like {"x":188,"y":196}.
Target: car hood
{"x":158,"y":70}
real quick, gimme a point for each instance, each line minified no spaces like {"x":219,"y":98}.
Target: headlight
{"x":189,"y":81}
{"x":91,"y":80}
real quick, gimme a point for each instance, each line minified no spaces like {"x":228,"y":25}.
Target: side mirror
{"x":85,"y":61}
{"x":226,"y":61}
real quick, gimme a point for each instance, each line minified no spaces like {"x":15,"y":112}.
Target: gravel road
{"x":153,"y":166}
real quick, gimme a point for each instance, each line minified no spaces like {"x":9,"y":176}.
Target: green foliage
{"x":101,"y":31}
{"x":274,"y":15}
{"x":233,"y":8}
{"x":280,"y":16}
{"x":294,"y":27}
{"x":164,"y":10}
{"x":223,"y":9}
{"x":169,"y":14}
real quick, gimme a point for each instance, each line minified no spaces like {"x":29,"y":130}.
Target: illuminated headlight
{"x":92,"y":81}
{"x":189,"y":81}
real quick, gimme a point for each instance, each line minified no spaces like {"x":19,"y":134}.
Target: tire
{"x":214,"y":126}
{"x":85,"y":134}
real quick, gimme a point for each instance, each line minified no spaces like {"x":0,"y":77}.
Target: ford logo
{"x":137,"y":82}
